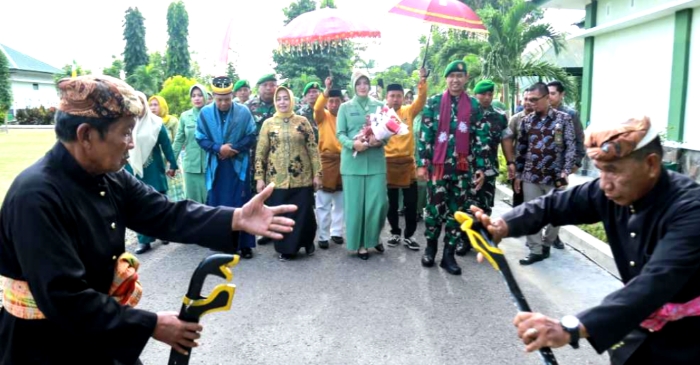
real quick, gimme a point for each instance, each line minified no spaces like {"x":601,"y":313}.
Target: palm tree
{"x":145,"y":79}
{"x":511,"y":31}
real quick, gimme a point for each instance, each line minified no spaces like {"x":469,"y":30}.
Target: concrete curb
{"x":592,"y":248}
{"x":18,"y":126}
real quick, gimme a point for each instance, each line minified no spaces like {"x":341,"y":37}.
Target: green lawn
{"x":20,"y":148}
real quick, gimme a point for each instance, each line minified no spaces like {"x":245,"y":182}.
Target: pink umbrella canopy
{"x":451,"y":13}
{"x":324,"y":27}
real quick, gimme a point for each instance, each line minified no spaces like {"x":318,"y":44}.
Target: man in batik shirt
{"x":444,"y":149}
{"x":545,"y":157}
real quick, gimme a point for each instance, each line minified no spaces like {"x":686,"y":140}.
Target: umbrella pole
{"x":427,"y":45}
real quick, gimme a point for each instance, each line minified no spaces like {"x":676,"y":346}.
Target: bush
{"x":35,"y":116}
{"x":502,"y":168}
{"x":596,"y":230}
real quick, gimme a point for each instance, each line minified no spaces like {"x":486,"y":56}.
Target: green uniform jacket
{"x":351,"y":119}
{"x":194,"y":161}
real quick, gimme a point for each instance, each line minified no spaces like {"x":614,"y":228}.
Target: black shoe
{"x":323,"y":244}
{"x":143,"y":247}
{"x":448,"y":260}
{"x":337,"y":240}
{"x":531,"y":259}
{"x":363,"y":255}
{"x":463,"y":246}
{"x":164,"y":243}
{"x":264,"y":241}
{"x":310,"y":249}
{"x":285,"y":257}
{"x":428,"y":259}
{"x":558,"y":244}
{"x":394,"y":240}
{"x":247,"y":253}
{"x":411,"y":244}
{"x":545,"y":251}
{"x":379,"y":247}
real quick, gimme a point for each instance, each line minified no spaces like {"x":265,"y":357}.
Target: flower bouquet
{"x":382,"y":125}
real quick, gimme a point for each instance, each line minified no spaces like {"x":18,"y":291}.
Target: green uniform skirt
{"x":196,"y":187}
{"x":366,"y":206}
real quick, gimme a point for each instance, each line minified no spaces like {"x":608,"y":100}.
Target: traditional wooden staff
{"x":481,"y":240}
{"x":194,"y":305}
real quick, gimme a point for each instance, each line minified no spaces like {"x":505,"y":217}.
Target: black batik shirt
{"x":62,"y":230}
{"x":656,"y":246}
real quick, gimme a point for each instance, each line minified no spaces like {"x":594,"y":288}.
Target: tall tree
{"x":294,"y":64}
{"x":177,"y":56}
{"x":135,"y":53}
{"x":5,"y":87}
{"x":231,"y":72}
{"x":157,"y":63}
{"x":115,"y":70}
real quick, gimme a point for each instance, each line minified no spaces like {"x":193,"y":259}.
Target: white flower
{"x":462,"y":127}
{"x":443,"y":137}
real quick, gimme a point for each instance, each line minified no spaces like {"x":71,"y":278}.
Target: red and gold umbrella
{"x":451,"y":13}
{"x":324,"y":27}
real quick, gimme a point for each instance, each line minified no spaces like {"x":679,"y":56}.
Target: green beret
{"x":484,"y":86}
{"x":455,"y":66}
{"x":266,"y":78}
{"x":239,"y":84}
{"x":311,"y":85}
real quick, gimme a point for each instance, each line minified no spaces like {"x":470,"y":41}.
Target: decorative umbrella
{"x":324,"y":27}
{"x":450,"y":13}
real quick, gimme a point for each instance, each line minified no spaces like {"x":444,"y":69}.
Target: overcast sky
{"x":90,"y":32}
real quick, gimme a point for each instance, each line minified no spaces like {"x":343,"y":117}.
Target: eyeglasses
{"x":534,"y":100}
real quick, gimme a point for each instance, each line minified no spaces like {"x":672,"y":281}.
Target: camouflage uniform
{"x":451,"y":192}
{"x":261,"y":112}
{"x":307,"y":111}
{"x":489,"y":131}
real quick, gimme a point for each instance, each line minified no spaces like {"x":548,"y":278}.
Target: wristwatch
{"x":511,"y":163}
{"x":571,"y":325}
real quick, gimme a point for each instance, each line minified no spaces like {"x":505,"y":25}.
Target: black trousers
{"x":410,"y":202}
{"x":517,"y":197}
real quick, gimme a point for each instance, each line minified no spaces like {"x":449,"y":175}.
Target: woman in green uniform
{"x":364,"y":174}
{"x":194,"y":163}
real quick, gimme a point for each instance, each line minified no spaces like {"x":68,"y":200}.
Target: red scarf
{"x":464,"y":110}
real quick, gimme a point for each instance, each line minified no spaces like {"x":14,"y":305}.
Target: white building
{"x":32,"y":80}
{"x":643,"y":57}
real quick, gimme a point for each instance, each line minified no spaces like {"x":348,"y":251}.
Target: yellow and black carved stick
{"x":194,"y":305}
{"x":481,"y":240}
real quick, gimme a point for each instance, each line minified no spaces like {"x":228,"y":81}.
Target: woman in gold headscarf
{"x":287,"y":155}
{"x":159,"y":107}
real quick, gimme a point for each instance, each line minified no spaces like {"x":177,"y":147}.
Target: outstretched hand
{"x":258,"y":219}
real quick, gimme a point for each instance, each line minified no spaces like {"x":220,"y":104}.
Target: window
{"x":35,"y":86}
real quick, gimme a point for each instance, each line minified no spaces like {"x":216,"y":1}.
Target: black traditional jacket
{"x":61,"y":231}
{"x":656,"y":246}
